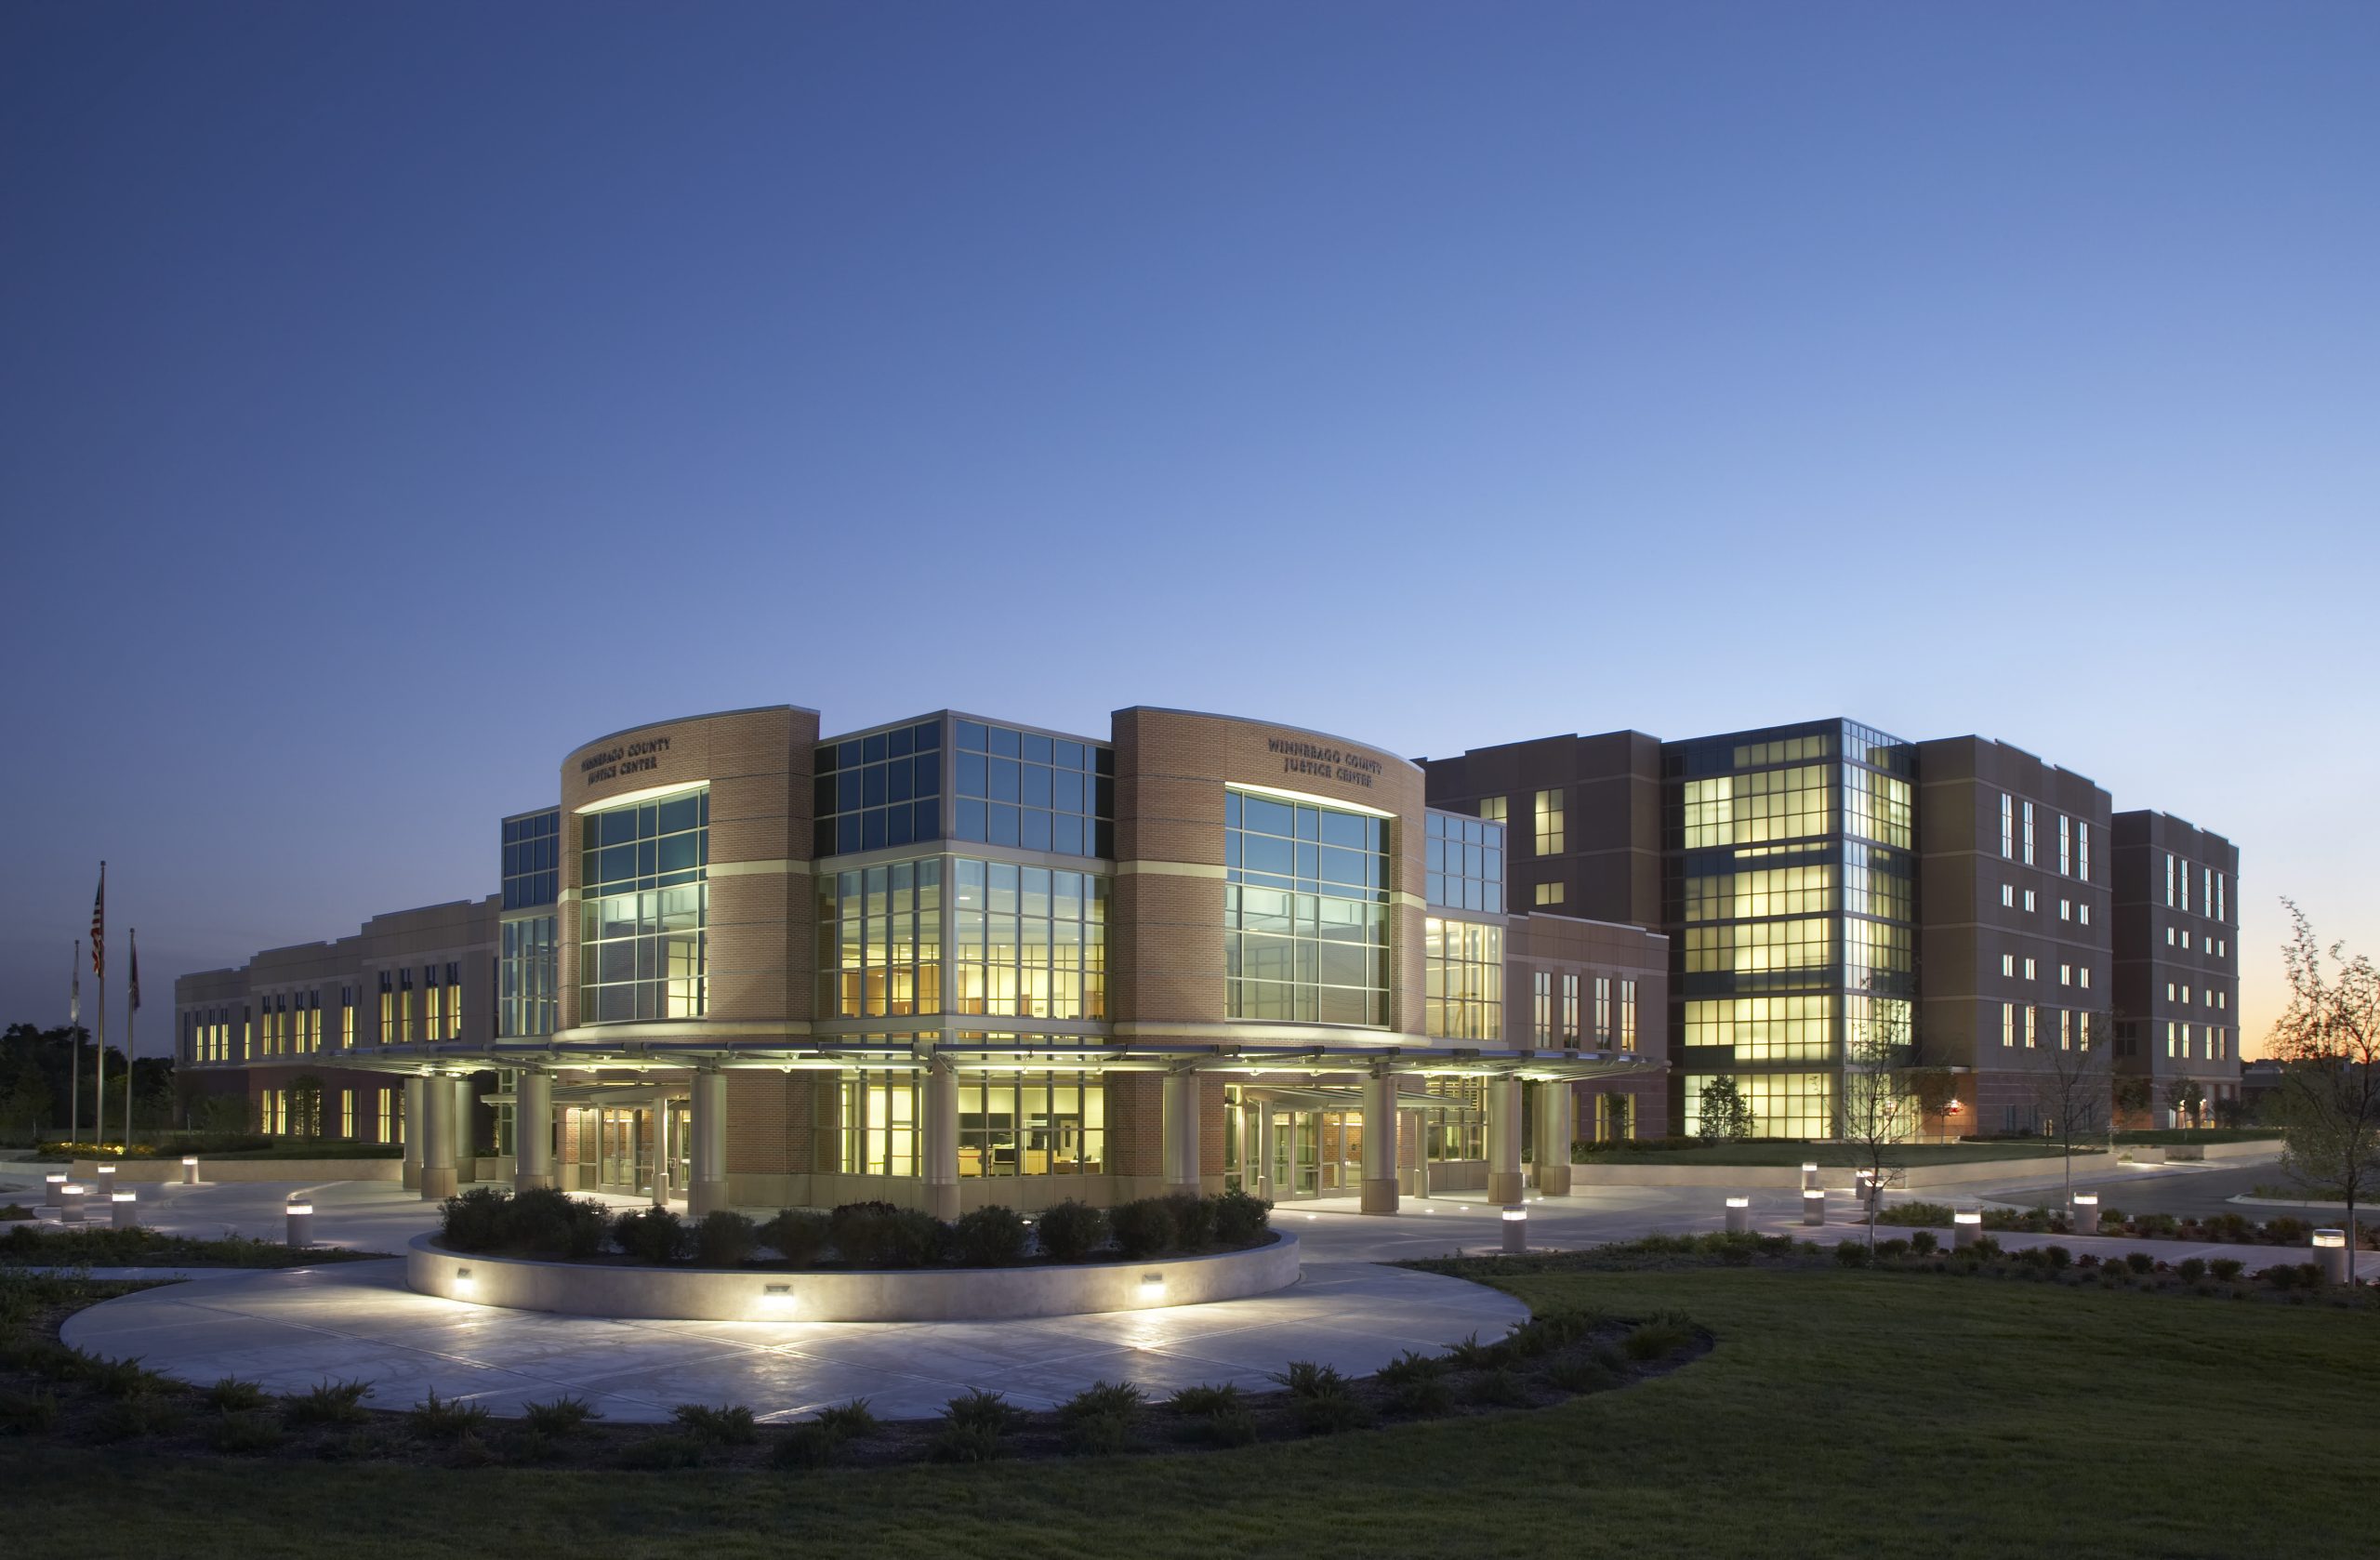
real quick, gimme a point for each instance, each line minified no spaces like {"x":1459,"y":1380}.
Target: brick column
{"x":1503,"y":1139}
{"x":1379,"y":1191}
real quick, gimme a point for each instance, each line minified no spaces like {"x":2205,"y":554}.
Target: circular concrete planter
{"x":972,"y":1294}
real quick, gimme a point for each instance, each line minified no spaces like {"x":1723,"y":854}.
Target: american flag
{"x":99,"y":926}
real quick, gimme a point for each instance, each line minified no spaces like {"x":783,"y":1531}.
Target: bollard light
{"x":190,"y":1170}
{"x":1515,"y":1230}
{"x":2330,"y":1251}
{"x":1738,"y":1215}
{"x":51,"y":1183}
{"x":70,"y":1202}
{"x":1814,"y":1207}
{"x":301,"y":1211}
{"x":1809,"y":1174}
{"x":125,"y":1208}
{"x":1967,"y":1229}
{"x":107,"y":1177}
{"x":2086,"y":1213}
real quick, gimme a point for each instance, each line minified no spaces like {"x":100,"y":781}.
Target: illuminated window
{"x":2029,"y":970}
{"x":2007,"y":1023}
{"x":1462,"y":974}
{"x":1602,"y":1031}
{"x":1627,"y":1015}
{"x":645,"y":901}
{"x":347,"y":1113}
{"x":2083,"y":851}
{"x":2007,"y":896}
{"x":1783,"y":1104}
{"x":2065,"y":844}
{"x":2169,"y":882}
{"x":2030,"y":902}
{"x":880,"y":942}
{"x":1305,"y":912}
{"x":2008,"y":827}
{"x":527,"y":1001}
{"x":1550,"y":830}
{"x":2066,"y":974}
{"x":1783,"y":1028}
{"x":1541,"y":1007}
{"x":1570,"y":1011}
{"x":2008,"y":966}
{"x":2065,"y":1029}
{"x":1758,"y":808}
{"x":2032,"y":1026}
{"x":1492,"y":809}
{"x":2029,"y":834}
{"x":1034,"y":1124}
{"x":872,"y":1124}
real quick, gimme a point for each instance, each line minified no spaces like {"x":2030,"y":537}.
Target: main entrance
{"x":629,"y":1142}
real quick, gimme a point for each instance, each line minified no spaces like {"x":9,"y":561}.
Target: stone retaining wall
{"x":168,"y":1172}
{"x":911,"y":1295}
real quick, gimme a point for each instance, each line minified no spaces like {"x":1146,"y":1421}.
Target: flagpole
{"x":74,"y":1047}
{"x":99,"y":1063}
{"x":131,"y":1017}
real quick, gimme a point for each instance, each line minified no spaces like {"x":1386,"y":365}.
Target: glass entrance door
{"x":1296,"y":1153}
{"x":626,"y":1161}
{"x":1342,"y":1151}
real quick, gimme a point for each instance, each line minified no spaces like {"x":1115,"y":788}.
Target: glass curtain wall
{"x":644,"y":900}
{"x":1305,"y":912}
{"x":1790,"y":894}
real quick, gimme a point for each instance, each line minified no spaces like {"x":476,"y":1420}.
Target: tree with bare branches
{"x":2328,"y":1043}
{"x":1880,"y":1110}
{"x":2072,"y":1091}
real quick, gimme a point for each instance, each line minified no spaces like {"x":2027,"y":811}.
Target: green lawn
{"x":1833,"y":1155}
{"x":1840,"y":1414}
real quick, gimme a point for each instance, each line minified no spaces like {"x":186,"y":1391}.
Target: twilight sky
{"x":393,"y":397}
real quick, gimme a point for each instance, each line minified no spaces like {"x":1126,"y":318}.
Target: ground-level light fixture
{"x":1967,"y":1229}
{"x":1152,"y":1286}
{"x":1738,"y":1215}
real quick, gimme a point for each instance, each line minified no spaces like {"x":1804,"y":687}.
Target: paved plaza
{"x":290,"y":1328}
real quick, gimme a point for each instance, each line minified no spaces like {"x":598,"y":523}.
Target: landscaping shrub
{"x":795,"y":1235}
{"x":139,"y":1416}
{"x":846,"y":1213}
{"x":1118,"y":1399}
{"x":1233,"y":1426}
{"x":811,"y":1444}
{"x":979,"y":1409}
{"x":1915,"y":1213}
{"x":1984,"y":1248}
{"x":2059,"y":1257}
{"x":1194,"y":1222}
{"x":1206,"y":1401}
{"x":1239,"y":1219}
{"x":1142,"y":1228}
{"x":2226,"y":1268}
{"x":560,"y":1416}
{"x":121,"y":1378}
{"x":1071,"y":1231}
{"x":2139,"y":1262}
{"x":446,"y":1419}
{"x":1895,"y":1249}
{"x":1851,"y":1253}
{"x":849,"y":1421}
{"x":655,"y":1236}
{"x":1582,"y":1375}
{"x":1924,"y":1243}
{"x":2192,"y":1269}
{"x":882,"y":1236}
{"x":967,"y":1443}
{"x":729,"y":1425}
{"x":1305,"y":1378}
{"x":1099,"y":1435}
{"x":334,"y":1403}
{"x":1411,"y":1366}
{"x":546,"y":1223}
{"x":724,"y":1239}
{"x":1470,"y":1353}
{"x":231,"y":1395}
{"x":1658,"y":1338}
{"x":475,"y":1220}
{"x":991,"y":1236}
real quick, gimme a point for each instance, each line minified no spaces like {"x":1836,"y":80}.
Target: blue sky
{"x":393,"y":397}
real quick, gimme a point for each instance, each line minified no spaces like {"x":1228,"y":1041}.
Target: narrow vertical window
{"x":1551,"y":830}
{"x":2008,"y":827}
{"x":2029,"y":834}
{"x":2064,"y":845}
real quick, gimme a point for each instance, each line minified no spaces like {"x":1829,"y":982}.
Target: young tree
{"x":1880,"y":1111}
{"x":2133,"y":1095}
{"x":1726,"y":1115}
{"x":2187,"y":1100}
{"x":2328,"y":1043}
{"x":2072,"y":1090}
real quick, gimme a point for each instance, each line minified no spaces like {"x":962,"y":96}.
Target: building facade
{"x":1837,"y":899}
{"x":955,"y":960}
{"x":2176,"y":970}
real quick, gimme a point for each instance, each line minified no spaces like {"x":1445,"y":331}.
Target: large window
{"x":1553,"y":832}
{"x":1463,"y":979}
{"x":532,"y":859}
{"x":1757,"y":808}
{"x":643,"y":905}
{"x":1798,"y":1028}
{"x":1030,"y":941}
{"x":877,"y":791}
{"x":1783,"y":1104}
{"x":880,"y":941}
{"x":1464,"y":862}
{"x":1042,"y":793}
{"x":525,"y":991}
{"x":1459,"y":1128}
{"x":1037,"y":1124}
{"x":1305,"y":912}
{"x":869,"y":1124}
